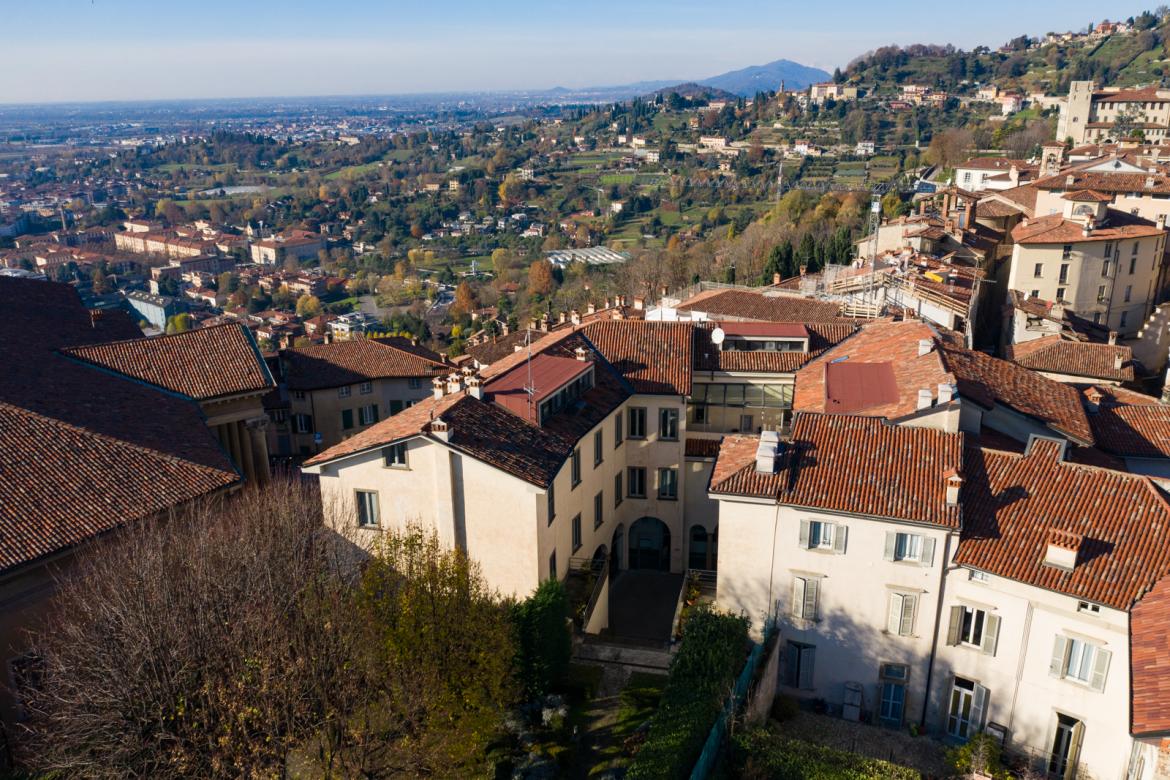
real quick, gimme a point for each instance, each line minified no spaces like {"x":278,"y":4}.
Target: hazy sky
{"x":65,"y":50}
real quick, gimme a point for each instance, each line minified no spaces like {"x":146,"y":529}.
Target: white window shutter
{"x":1100,"y":668}
{"x":839,"y":533}
{"x":807,"y":655}
{"x":927,"y":551}
{"x":894,"y":616}
{"x":798,"y":584}
{"x":955,"y":626}
{"x":990,"y":634}
{"x":906,"y":628}
{"x":891,"y":545}
{"x":978,"y":709}
{"x":804,"y":534}
{"x":811,"y":592}
{"x":1059,"y":654}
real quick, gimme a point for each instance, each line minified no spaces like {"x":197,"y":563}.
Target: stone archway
{"x":617,"y":549}
{"x":649,"y":544}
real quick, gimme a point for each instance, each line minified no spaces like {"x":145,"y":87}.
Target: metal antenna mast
{"x":875,"y":222}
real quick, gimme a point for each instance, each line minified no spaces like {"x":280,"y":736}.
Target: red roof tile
{"x":654,"y":357}
{"x":360,"y":360}
{"x":1077,"y":358}
{"x":1149,"y":654}
{"x":1055,"y":229}
{"x":1130,"y":424}
{"x":743,"y":304}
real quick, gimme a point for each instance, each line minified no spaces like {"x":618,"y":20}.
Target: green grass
{"x":765,"y":753}
{"x":636,"y":704}
{"x":610,"y":179}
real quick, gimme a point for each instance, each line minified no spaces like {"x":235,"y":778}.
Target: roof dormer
{"x":1063,"y":549}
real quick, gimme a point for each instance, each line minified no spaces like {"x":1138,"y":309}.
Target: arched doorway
{"x":703,"y":548}
{"x":598,"y":559}
{"x":616,"y":549}
{"x":650,"y":544}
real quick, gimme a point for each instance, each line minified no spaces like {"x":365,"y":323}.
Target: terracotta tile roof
{"x":500,"y":346}
{"x":996,"y":164}
{"x":995,"y":209}
{"x":890,"y":344}
{"x":411,"y":421}
{"x":989,"y":381}
{"x":701,"y":448}
{"x":821,"y":336}
{"x":859,"y":465}
{"x":654,"y":357}
{"x":1105,"y":182}
{"x":201,"y":364}
{"x":1077,"y":358}
{"x":1087,"y":196}
{"x":1055,"y":229}
{"x":61,"y":485}
{"x":746,"y":305}
{"x":360,"y":360}
{"x":1130,"y":424}
{"x":1149,"y":662}
{"x":1011,"y":502}
{"x":1135,"y":95}
{"x":1023,"y":196}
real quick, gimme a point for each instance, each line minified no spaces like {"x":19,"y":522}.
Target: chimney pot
{"x":575,"y":317}
{"x":591,"y":308}
{"x":441,"y":429}
{"x":475,"y":387}
{"x":925,"y":347}
{"x":1161,"y":222}
{"x":946,"y":392}
{"x":954,"y":482}
{"x":439,"y":387}
{"x":639,"y":303}
{"x":925,"y":399}
{"x":581,"y":353}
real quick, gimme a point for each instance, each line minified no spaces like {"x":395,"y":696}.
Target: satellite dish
{"x":717,"y":336}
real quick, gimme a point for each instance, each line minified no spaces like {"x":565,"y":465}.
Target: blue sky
{"x":64,"y":50}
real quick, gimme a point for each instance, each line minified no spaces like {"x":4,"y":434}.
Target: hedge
{"x":542,"y":633}
{"x":765,"y":754}
{"x":702,"y":674}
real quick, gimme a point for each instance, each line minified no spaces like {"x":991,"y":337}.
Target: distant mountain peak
{"x":768,"y":77}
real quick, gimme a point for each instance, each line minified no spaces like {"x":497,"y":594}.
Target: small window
{"x":576,"y":533}
{"x":598,"y":509}
{"x":1080,"y":661}
{"x":368,"y":414}
{"x":973,"y":627}
{"x":1064,"y":273}
{"x":343,"y":392}
{"x":394,"y":456}
{"x":414,"y":383}
{"x":1035,"y":294}
{"x":365,"y":388}
{"x":900,"y":618}
{"x":1066,"y":252}
{"x":367,"y":506}
{"x":1105,"y":269}
{"x":637,"y":482}
{"x":668,"y":483}
{"x":1124,"y":320}
{"x":576,"y":467}
{"x":617,"y":489}
{"x":805,"y":597}
{"x":552,"y":503}
{"x":299,"y":395}
{"x":637,"y":426}
{"x":304,"y":423}
{"x":908,"y":547}
{"x":1060,"y":292}
{"x":1101,"y":294}
{"x":346,"y":419}
{"x":1038,"y":271}
{"x":1086,"y":607}
{"x":668,"y":424}
{"x":821,"y":535}
{"x":618,"y":431}
{"x":598,"y":443}
{"x":552,"y":565}
{"x":1132,"y":264}
{"x":1128,"y":292}
{"x":979,"y":576}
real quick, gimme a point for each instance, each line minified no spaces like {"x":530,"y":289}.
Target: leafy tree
{"x":540,"y":278}
{"x":179,"y":323}
{"x":465,"y":301}
{"x":101,"y":285}
{"x":501,"y":261}
{"x":308,"y":306}
{"x":543,"y":642}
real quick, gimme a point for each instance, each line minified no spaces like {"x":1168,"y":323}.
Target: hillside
{"x":1026,"y":64}
{"x":767,"y":78}
{"x":692,"y":91}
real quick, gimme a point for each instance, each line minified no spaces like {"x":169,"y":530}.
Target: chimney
{"x":1160,"y":221}
{"x":591,"y":308}
{"x":575,"y":317}
{"x":954,"y":482}
{"x":454,"y":382}
{"x":776,"y":278}
{"x":925,"y":346}
{"x":1087,"y":230}
{"x":1150,"y":182}
{"x":562,"y":317}
{"x":946,"y":392}
{"x":1070,"y":180}
{"x":1118,"y":361}
{"x":544,"y":322}
{"x":328,"y":336}
{"x":1063,"y":548}
{"x":440,"y":429}
{"x":924,"y":398}
{"x":439,"y":385}
{"x":475,"y":387}
{"x":639,"y":303}
{"x":662,"y":291}
{"x":581,"y":353}
{"x":766,"y":452}
{"x":1093,"y":397}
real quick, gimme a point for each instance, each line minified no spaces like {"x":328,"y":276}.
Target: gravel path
{"x":921,"y":753}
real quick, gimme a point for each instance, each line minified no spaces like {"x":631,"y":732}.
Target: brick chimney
{"x":767,"y":451}
{"x":954,"y":482}
{"x":1093,"y":397}
{"x":1063,"y":549}
{"x":440,"y":429}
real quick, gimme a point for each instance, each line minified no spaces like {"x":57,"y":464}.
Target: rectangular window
{"x":304,"y":423}
{"x":1064,"y":273}
{"x":576,"y":533}
{"x":1132,"y":264}
{"x":1121,"y":323}
{"x":368,"y":414}
{"x":1101,"y":294}
{"x":346,"y":419}
{"x":395,"y":407}
{"x":798,"y":669}
{"x":637,"y":427}
{"x":1066,"y":253}
{"x":617,"y":489}
{"x":1080,"y":661}
{"x":900,"y":616}
{"x":414,"y":383}
{"x":911,"y":548}
{"x":367,"y":507}
{"x":1060,"y":291}
{"x":805,"y":597}
{"x":821,"y":535}
{"x":1038,"y":271}
{"x":892,"y":704}
{"x":1128,"y":292}
{"x":617,"y":430}
{"x":972,"y":627}
{"x":598,"y":441}
{"x":365,"y":388}
{"x":343,"y":392}
{"x":299,"y":395}
{"x":1108,"y":248}
{"x":668,"y":424}
{"x":637,"y":480}
{"x":1105,"y":269}
{"x":552,"y":503}
{"x":1134,"y":250}
{"x":967,"y":705}
{"x":576,"y":470}
{"x":394,"y":456}
{"x":668,"y":483}
{"x":1088,"y":608}
{"x":747,"y":423}
{"x":1035,"y":294}
{"x":598,"y":509}
{"x":552,"y":565}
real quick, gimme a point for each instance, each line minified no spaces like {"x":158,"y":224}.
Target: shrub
{"x":981,"y":754}
{"x":701,"y":677}
{"x":543,"y":638}
{"x":765,"y":754}
{"x":785,"y":708}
